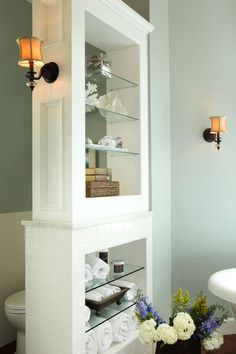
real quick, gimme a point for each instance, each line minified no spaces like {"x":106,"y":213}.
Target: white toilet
{"x":15,"y":312}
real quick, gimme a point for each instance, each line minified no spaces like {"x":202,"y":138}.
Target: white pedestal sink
{"x":223,"y":285}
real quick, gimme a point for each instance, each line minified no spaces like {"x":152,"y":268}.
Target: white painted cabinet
{"x":66,"y":224}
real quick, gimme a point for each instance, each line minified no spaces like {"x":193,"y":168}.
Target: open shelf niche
{"x":134,"y":252}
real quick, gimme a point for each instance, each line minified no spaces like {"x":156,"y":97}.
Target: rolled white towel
{"x":131,"y":293}
{"x":87,"y":314}
{"x":115,"y":289}
{"x":99,"y":267}
{"x":108,"y":290}
{"x":94,"y":295}
{"x":104,"y":336}
{"x":88,"y":275}
{"x":131,"y":311}
{"x":122,"y":325}
{"x":91,"y":343}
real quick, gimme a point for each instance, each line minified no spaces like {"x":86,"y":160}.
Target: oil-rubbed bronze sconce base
{"x":208,"y":136}
{"x":50,"y":72}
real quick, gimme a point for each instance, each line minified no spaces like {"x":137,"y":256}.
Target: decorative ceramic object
{"x":99,"y":61}
{"x":111,"y":102}
{"x":107,"y":141}
{"x":118,"y":107}
{"x":89,"y":141}
{"x":112,"y":141}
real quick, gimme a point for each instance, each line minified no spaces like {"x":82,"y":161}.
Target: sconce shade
{"x":30,"y":51}
{"x":218,"y":125}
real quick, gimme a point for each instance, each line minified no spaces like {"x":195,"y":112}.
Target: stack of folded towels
{"x":118,"y":330}
{"x":95,"y":268}
{"x":102,"y":292}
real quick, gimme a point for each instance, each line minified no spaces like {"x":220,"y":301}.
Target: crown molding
{"x":132,"y":16}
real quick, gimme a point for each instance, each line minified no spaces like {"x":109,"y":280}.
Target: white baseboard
{"x":229,"y":327}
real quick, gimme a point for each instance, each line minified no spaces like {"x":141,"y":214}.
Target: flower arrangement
{"x":188,"y":321}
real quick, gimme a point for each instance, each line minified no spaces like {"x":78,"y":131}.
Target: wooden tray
{"x":100,"y":305}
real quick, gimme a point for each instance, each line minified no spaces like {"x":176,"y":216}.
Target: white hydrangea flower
{"x":215,"y":341}
{"x":166,"y":333}
{"x":147,"y":331}
{"x":184,"y":325}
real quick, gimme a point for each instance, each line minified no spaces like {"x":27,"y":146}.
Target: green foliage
{"x":180,"y":302}
{"x":139,"y":317}
{"x":220,"y":312}
{"x":199,"y":307}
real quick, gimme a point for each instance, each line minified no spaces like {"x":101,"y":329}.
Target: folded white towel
{"x":99,"y":267}
{"x":108,"y":290}
{"x":122,"y":325}
{"x":87,"y":314}
{"x":104,"y":336}
{"x":91,"y":343}
{"x":88,"y":275}
{"x":130,"y":294}
{"x":94,"y":295}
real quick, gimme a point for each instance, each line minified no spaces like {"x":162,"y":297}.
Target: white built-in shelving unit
{"x":66,"y":224}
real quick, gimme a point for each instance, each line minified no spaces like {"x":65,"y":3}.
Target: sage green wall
{"x":15,"y":110}
{"x":140,"y":6}
{"x":203,"y":77}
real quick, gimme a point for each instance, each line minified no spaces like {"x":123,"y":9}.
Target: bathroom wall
{"x":15,"y":154}
{"x":160,"y":154}
{"x":202,"y":77}
{"x":12,"y":265}
{"x":15,"y":132}
{"x":140,"y":6}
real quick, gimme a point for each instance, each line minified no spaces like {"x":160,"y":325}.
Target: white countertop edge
{"x":87,"y":223}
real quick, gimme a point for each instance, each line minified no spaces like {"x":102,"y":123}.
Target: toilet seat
{"x":15,"y":303}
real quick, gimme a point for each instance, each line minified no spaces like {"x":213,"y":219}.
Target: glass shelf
{"x":109,"y":116}
{"x":112,"y":277}
{"x":115,"y":82}
{"x":107,"y":313}
{"x":111,"y":150}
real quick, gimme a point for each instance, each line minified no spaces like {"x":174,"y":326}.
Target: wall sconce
{"x":31,"y":56}
{"x":218,"y":125}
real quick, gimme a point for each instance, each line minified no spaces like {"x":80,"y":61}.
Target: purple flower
{"x":209,"y":326}
{"x":146,"y":311}
{"x":142,"y":309}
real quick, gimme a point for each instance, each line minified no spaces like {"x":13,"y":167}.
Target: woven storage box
{"x":102,"y":188}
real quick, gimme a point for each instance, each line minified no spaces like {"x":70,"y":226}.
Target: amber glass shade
{"x":30,"y":51}
{"x":218,"y":124}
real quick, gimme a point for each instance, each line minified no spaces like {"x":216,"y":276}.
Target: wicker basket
{"x":102,"y":188}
